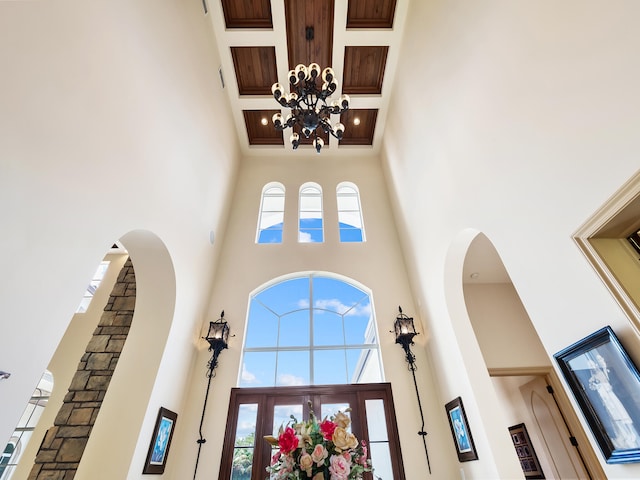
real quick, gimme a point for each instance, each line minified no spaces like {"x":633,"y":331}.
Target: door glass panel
{"x":378,"y":439}
{"x":381,"y":461}
{"x":244,"y":442}
{"x":330,"y":409}
{"x":376,"y":420}
{"x":282,"y":415}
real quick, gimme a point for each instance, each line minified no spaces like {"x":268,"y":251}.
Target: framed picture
{"x":460,"y":430}
{"x":526,"y":454}
{"x":606,"y":385}
{"x":160,"y":442}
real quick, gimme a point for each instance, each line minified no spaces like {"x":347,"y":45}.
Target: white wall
{"x":528,"y":116}
{"x":113,"y":126}
{"x":503,"y":330}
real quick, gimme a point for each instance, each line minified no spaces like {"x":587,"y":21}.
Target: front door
{"x":256,"y":412}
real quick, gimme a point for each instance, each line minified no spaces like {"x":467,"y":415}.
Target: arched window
{"x":310,"y":330}
{"x":313,"y":336}
{"x":310,"y":225}
{"x":349,"y":213}
{"x":271,"y":217}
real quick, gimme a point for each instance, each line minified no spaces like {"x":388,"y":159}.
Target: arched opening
{"x":521,"y":371}
{"x":148,"y":304}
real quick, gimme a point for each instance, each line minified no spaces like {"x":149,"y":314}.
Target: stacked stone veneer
{"x":64,"y":443}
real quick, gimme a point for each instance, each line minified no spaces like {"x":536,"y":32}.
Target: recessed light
{"x":264,"y":121}
{"x":356,"y":121}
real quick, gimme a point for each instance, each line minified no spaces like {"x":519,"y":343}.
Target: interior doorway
{"x":523,"y":377}
{"x":533,"y":401}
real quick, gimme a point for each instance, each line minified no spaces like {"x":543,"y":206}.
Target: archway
{"x":123,"y":409}
{"x":520,"y":369}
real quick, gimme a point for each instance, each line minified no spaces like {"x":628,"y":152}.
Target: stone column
{"x":63,"y":445}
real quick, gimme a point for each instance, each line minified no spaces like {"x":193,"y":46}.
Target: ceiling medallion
{"x":308,"y":104}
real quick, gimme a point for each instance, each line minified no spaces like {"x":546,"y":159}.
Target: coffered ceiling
{"x":261,"y":40}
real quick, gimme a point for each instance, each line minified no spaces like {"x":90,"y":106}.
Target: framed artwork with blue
{"x":606,"y":386}
{"x":160,"y":442}
{"x":462,"y":438}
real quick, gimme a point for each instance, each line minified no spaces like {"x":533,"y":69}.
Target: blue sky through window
{"x":350,"y":222}
{"x":271,"y":216}
{"x":310,"y":330}
{"x":310,"y":224}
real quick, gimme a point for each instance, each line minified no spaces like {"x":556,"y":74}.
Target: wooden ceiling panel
{"x":362,"y":133}
{"x":258,"y":133}
{"x":364,"y":69}
{"x":255,"y":69}
{"x":247,"y":13}
{"x":301,"y":15}
{"x":370,"y":13}
{"x":312,"y":30}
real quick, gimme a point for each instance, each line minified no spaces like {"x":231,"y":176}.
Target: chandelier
{"x":308,"y":104}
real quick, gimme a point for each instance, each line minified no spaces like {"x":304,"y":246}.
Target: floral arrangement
{"x":318,"y":450}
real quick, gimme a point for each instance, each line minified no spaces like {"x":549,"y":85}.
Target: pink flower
{"x":327,"y":427}
{"x":363,"y":458}
{"x":339,"y":468}
{"x":347,"y":457}
{"x":319,"y":454}
{"x":288,"y":441}
{"x":275,"y":458}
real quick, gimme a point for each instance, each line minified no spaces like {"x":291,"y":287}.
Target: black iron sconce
{"x":405,"y":330}
{"x":218,"y":338}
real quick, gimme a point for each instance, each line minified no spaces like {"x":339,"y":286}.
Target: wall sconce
{"x":4,"y":375}
{"x":218,"y":338}
{"x":405,"y":330}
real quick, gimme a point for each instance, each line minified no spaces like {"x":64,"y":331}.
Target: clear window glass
{"x":310,"y":223}
{"x":24,"y":430}
{"x":271,"y":216}
{"x":245,"y":441}
{"x":378,"y":438}
{"x":93,"y":286}
{"x":299,"y":326}
{"x":350,"y":221}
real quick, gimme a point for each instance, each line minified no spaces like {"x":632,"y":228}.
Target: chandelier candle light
{"x":308,"y":104}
